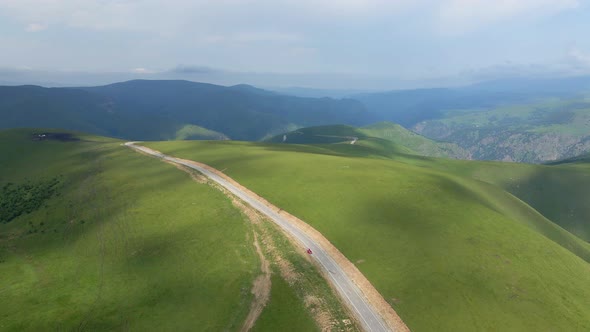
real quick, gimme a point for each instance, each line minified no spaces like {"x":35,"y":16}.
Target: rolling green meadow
{"x":109,"y":239}
{"x":443,"y":241}
{"x":110,"y":253}
{"x":127,"y":242}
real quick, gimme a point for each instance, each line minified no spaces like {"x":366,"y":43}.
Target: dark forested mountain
{"x":33,"y":106}
{"x":159,"y":109}
{"x":241,"y":112}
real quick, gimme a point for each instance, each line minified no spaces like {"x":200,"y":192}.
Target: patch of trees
{"x":19,"y":199}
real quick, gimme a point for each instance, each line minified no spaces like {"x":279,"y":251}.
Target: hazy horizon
{"x":351,"y":44}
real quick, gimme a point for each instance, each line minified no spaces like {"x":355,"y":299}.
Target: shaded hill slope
{"x":240,"y":112}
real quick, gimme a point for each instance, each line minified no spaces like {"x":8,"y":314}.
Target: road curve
{"x":365,"y":313}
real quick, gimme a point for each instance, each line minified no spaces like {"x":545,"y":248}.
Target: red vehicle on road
{"x":309,"y":251}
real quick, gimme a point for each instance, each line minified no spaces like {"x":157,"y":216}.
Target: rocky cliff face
{"x":541,"y":135}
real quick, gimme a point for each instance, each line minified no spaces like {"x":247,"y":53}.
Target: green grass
{"x":319,"y":135}
{"x":190,"y":132}
{"x":384,"y":138}
{"x":129,"y":243}
{"x":284,"y":312}
{"x":558,"y":191}
{"x":448,"y":251}
{"x":415,"y":142}
{"x":291,"y":310}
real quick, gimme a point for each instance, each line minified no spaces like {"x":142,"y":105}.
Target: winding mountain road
{"x":365,"y":313}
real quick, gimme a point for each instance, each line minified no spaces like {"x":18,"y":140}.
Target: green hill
{"x":192,"y":132}
{"x":447,"y":250}
{"x":319,"y":135}
{"x":422,"y":145}
{"x":95,"y":236}
{"x":383,"y":138}
{"x":106,"y":250}
{"x":559,"y":191}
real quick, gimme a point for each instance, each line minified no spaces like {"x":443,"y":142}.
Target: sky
{"x":338,"y":44}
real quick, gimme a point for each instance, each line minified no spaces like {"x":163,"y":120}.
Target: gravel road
{"x":366,"y":314}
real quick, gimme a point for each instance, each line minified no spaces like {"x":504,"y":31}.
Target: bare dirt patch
{"x":261,"y":290}
{"x":323,"y":317}
{"x":196,"y":176}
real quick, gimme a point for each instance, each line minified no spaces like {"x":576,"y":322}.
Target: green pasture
{"x":447,"y":250}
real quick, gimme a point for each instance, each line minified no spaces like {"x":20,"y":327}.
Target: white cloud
{"x":36,"y":27}
{"x":579,"y":57}
{"x":142,"y":70}
{"x":251,"y":37}
{"x":458,"y":16}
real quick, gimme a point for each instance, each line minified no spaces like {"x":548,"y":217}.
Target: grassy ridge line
{"x":387,"y":137}
{"x":413,"y":141}
{"x":189,"y":132}
{"x":113,"y":255}
{"x":444,"y":256}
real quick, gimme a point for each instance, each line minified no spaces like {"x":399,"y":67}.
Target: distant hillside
{"x":156,"y":110}
{"x":416,"y":142}
{"x":384,"y":136}
{"x":409,"y":107}
{"x":583,"y":160}
{"x":537,"y":132}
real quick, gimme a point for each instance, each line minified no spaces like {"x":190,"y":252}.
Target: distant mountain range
{"x":156,"y":110}
{"x":518,"y":120}
{"x":409,"y":107}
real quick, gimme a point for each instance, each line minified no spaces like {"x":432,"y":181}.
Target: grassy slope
{"x":284,"y":312}
{"x":111,"y":253}
{"x":420,"y":144}
{"x":559,"y":191}
{"x":189,"y":132}
{"x":386,"y":136}
{"x":319,"y":135}
{"x":336,"y":137}
{"x":440,"y":248}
